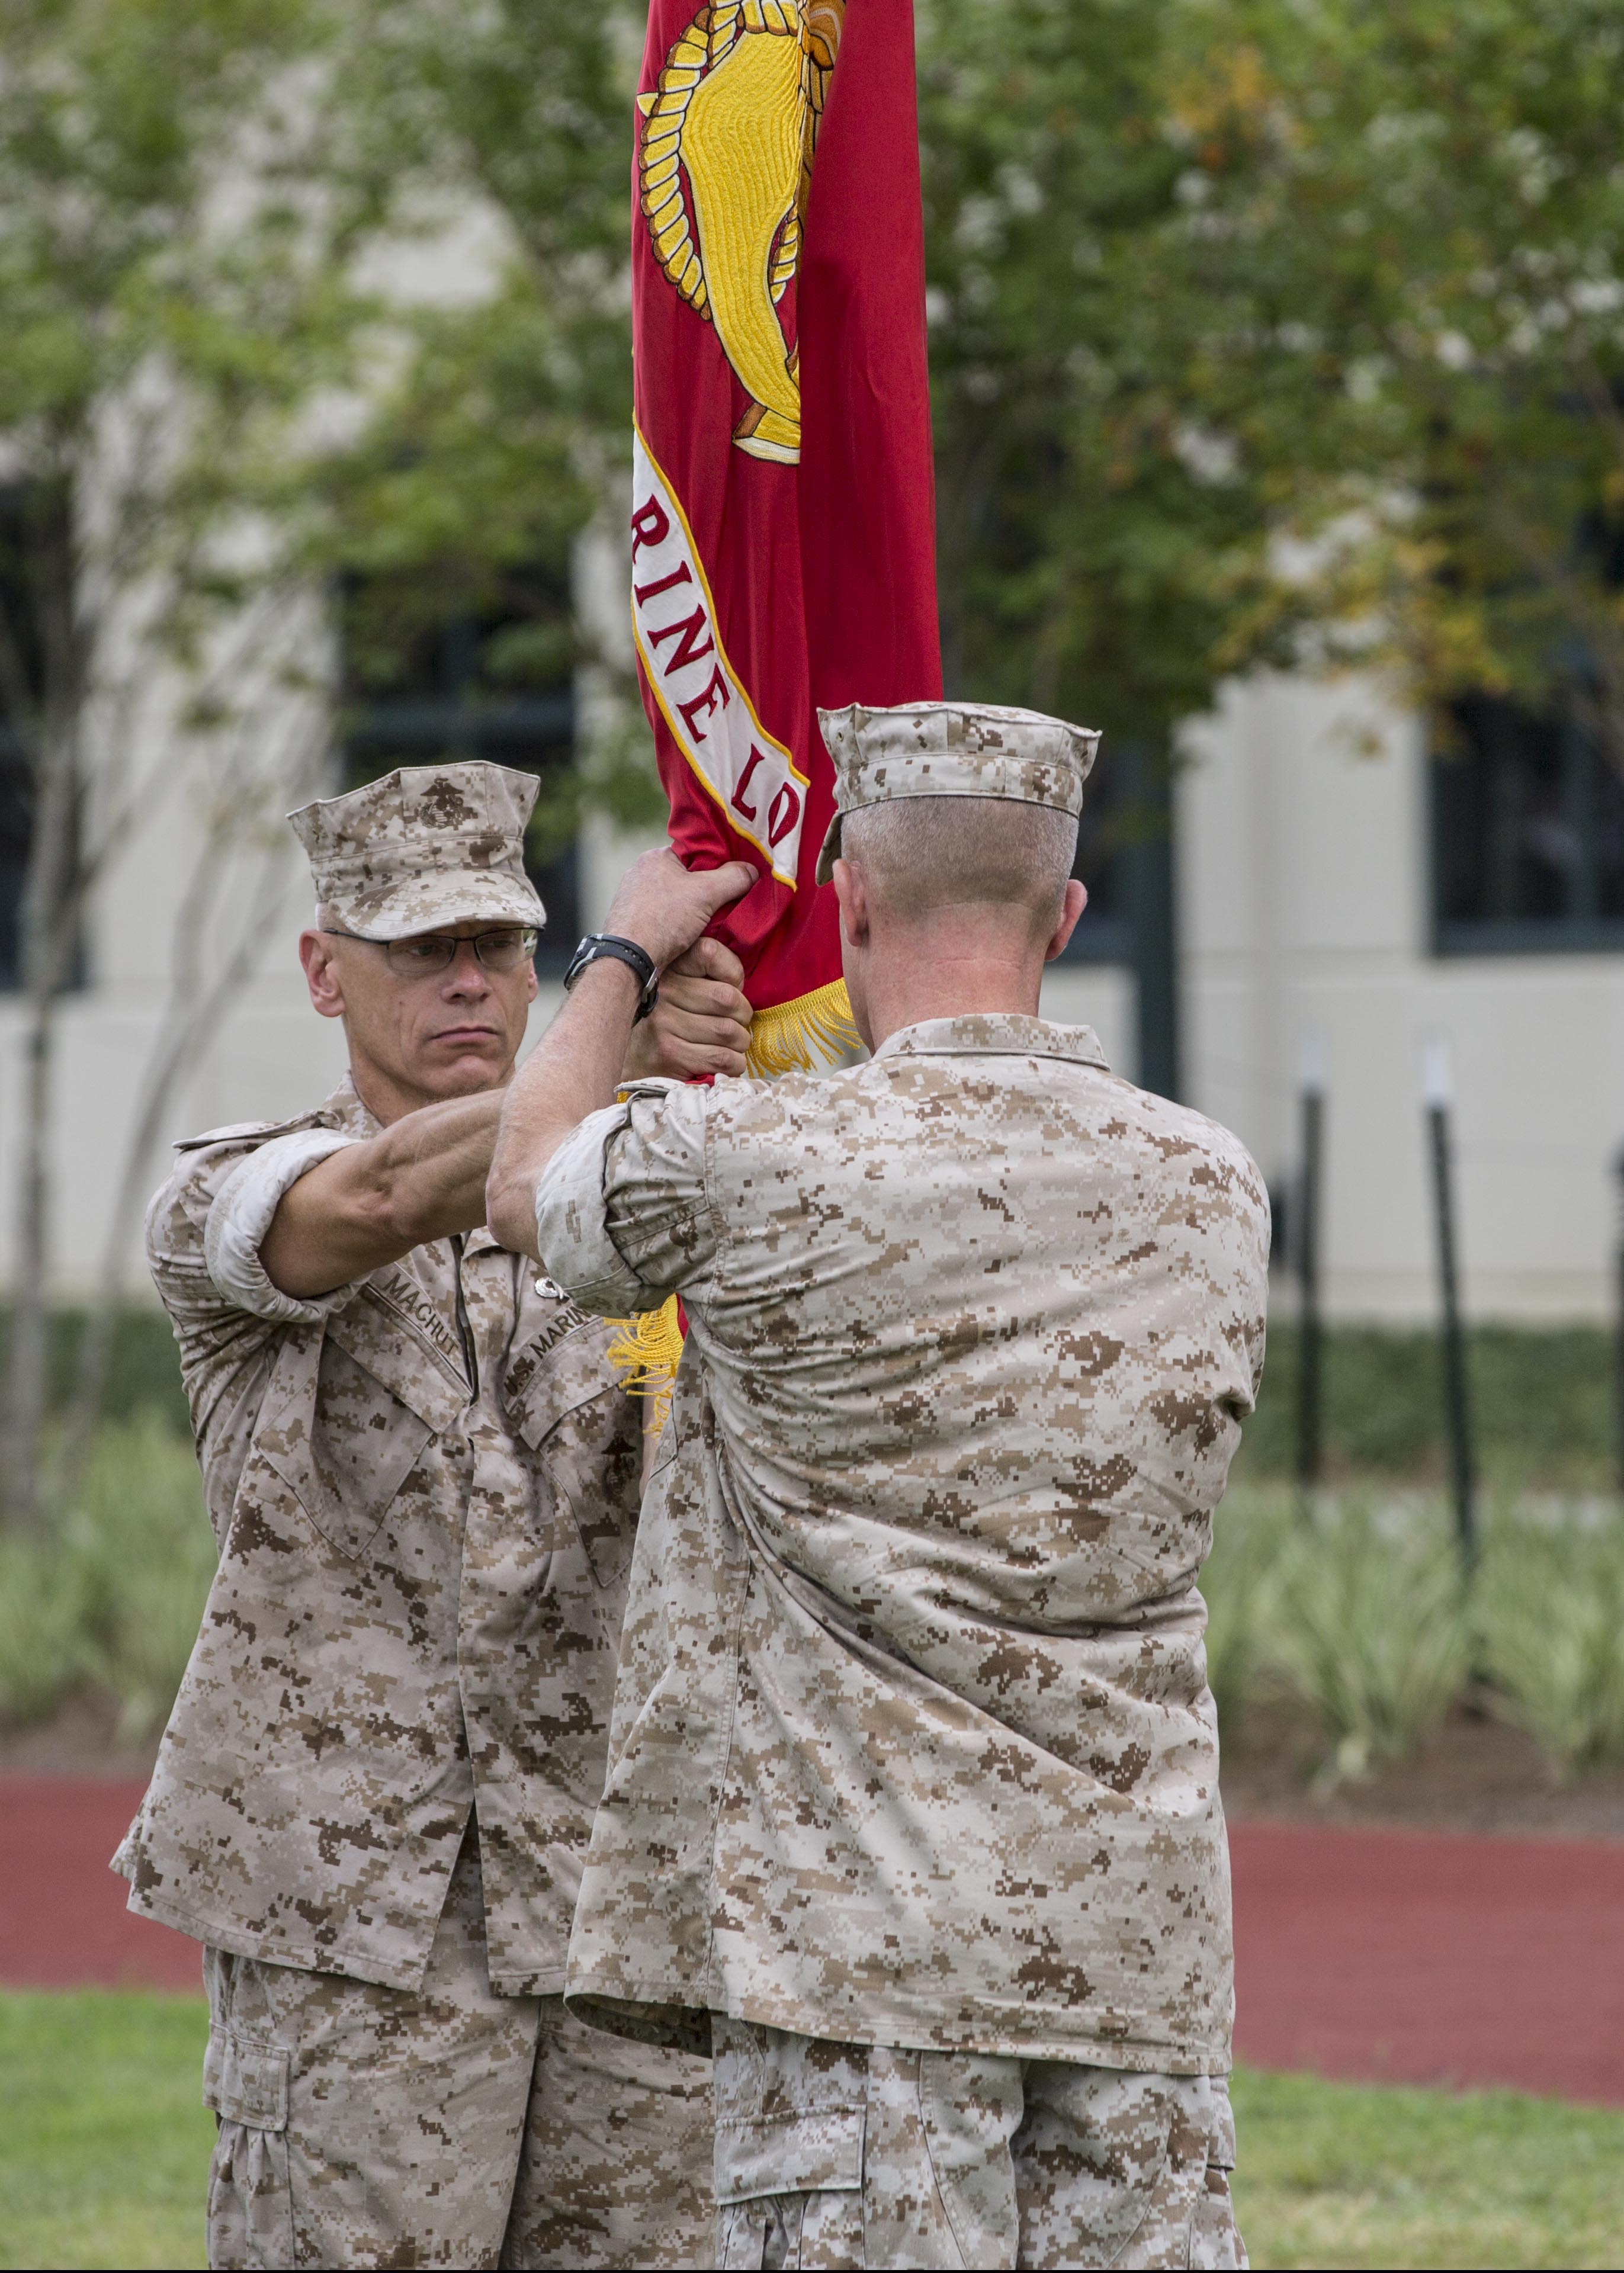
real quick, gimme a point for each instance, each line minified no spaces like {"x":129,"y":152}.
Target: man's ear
{"x":852,"y":891}
{"x":1070,"y":908}
{"x":322,"y":973}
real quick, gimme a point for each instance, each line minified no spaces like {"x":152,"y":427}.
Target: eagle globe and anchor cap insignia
{"x":725,"y":166}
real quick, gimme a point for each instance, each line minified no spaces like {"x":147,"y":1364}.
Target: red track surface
{"x":63,"y":1920}
{"x":1390,"y":1955}
{"x":1431,"y":1957}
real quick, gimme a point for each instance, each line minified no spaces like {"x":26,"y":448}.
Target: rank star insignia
{"x":725,"y":166}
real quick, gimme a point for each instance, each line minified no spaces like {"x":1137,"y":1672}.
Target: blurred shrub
{"x":1550,"y":1612}
{"x":115,"y":1593}
{"x":41,"y":1656}
{"x":1541,"y":1405}
{"x":1369,"y":1626}
{"x":143,"y":1371}
{"x":139,"y":1542}
{"x":1249,"y":1537}
{"x":1363,"y":1615}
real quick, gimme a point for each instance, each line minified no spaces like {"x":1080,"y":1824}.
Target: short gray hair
{"x":921,"y":854}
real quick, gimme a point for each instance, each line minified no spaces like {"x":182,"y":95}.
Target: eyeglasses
{"x":428,"y":955}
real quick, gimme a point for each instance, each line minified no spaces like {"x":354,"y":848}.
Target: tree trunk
{"x":189,"y":1025}
{"x":240,"y":796}
{"x":25,"y":1357}
{"x":50,"y":909}
{"x":175,"y":1053}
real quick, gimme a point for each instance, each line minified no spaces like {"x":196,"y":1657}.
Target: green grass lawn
{"x":1339,"y":2174}
{"x":104,"y":2143}
{"x":104,"y":2151}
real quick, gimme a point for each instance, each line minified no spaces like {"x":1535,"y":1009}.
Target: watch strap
{"x":599,"y":944}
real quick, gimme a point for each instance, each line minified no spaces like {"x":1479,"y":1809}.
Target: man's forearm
{"x":422,"y":1178}
{"x":574,"y":1069}
{"x":434,"y":1164}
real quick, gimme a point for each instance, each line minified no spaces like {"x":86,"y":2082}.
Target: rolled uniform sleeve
{"x":241,"y":1216}
{"x":623,"y":1211}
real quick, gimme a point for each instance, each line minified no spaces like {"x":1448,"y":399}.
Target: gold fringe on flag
{"x":784,"y":1038}
{"x":648,"y":1349}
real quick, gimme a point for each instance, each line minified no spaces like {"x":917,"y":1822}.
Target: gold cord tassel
{"x":648,"y":1349}
{"x":784,"y":1038}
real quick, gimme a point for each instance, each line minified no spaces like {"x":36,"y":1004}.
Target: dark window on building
{"x":1527,"y":830}
{"x":27,"y":519}
{"x":497,"y":685}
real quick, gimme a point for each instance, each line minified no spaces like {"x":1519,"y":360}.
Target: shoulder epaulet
{"x":262,"y":1131}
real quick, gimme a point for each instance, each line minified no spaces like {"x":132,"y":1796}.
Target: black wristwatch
{"x":598,"y":943}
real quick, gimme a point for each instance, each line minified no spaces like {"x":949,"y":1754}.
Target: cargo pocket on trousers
{"x":807,"y":2155}
{"x":250,"y":2185}
{"x":813,"y":2161}
{"x":1215,"y":2243}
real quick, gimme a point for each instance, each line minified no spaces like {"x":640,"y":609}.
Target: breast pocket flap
{"x":370,"y":1333}
{"x":547,"y":1382}
{"x":344,"y":1439}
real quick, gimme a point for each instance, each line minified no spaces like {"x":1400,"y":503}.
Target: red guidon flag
{"x":783,"y":515}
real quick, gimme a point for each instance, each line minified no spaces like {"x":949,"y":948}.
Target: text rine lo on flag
{"x":753,"y":778}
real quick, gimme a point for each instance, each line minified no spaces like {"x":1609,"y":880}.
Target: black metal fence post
{"x":1310,"y":1426}
{"x":1461,"y":1470}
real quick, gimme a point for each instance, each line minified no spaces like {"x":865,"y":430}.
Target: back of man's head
{"x":989,"y":861}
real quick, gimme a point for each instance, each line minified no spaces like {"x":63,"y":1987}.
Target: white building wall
{"x":1303,"y":916}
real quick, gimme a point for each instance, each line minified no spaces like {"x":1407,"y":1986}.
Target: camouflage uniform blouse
{"x":912,"y":1743}
{"x":425,"y":1487}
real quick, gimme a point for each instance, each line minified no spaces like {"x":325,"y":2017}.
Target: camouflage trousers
{"x":851,"y":2156}
{"x":364,"y":2125}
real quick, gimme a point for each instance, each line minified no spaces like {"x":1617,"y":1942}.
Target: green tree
{"x":1102,"y":549}
{"x":172,"y":299}
{"x":1102,"y":546}
{"x":1403,"y":227}
{"x":497,"y":144}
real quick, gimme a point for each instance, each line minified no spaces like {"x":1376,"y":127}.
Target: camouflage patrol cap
{"x":422,"y":846}
{"x":951,"y":749}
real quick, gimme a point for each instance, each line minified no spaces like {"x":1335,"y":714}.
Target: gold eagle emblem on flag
{"x":725,"y":166}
